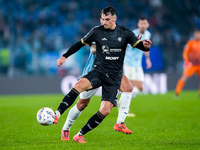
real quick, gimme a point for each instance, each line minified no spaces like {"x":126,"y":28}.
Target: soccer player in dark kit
{"x":111,"y":42}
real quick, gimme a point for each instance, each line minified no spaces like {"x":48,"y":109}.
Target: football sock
{"x":135,"y":91}
{"x":179,"y":86}
{"x":124,"y":103}
{"x":92,"y":123}
{"x":68,"y":100}
{"x":73,"y":114}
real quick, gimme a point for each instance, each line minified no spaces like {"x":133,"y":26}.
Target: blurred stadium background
{"x":35,"y":33}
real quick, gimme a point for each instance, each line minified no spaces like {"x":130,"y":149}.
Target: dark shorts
{"x":110,"y":84}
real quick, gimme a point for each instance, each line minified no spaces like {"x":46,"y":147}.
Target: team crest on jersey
{"x":119,"y":39}
{"x":105,"y":49}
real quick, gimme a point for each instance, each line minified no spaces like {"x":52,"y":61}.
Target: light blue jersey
{"x":89,"y":64}
{"x":133,"y":56}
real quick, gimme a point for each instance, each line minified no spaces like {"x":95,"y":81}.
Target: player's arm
{"x":73,"y":49}
{"x":148,"y":60}
{"x":185,"y":54}
{"x":135,"y":42}
{"x":186,"y":51}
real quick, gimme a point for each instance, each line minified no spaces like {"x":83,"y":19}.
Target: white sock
{"x":124,"y":102}
{"x":73,"y":114}
{"x":135,"y":91}
{"x":57,"y":113}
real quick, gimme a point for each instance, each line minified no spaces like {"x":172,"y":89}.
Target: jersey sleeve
{"x":89,"y":37}
{"x":132,"y":38}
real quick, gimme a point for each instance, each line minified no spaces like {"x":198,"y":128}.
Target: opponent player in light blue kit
{"x":84,"y":99}
{"x":133,"y":60}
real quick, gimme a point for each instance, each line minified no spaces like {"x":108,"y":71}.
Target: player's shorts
{"x":110,"y":84}
{"x":88,"y":94}
{"x":190,"y":70}
{"x":133,"y":73}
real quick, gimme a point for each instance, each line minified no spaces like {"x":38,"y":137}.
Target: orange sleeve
{"x":186,"y":50}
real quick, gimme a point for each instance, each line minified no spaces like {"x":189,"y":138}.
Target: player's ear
{"x":115,"y":18}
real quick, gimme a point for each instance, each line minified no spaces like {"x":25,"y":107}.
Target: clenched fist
{"x":61,"y":61}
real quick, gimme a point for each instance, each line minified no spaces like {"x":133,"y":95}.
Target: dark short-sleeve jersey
{"x":110,"y":47}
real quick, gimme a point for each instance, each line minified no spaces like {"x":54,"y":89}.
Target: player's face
{"x":197,"y":35}
{"x":108,"y":21}
{"x":143,"y":25}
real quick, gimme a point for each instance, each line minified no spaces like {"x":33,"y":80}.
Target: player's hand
{"x":61,"y":61}
{"x":187,"y":63}
{"x":147,"y":43}
{"x":139,"y":37}
{"x":93,"y":48}
{"x":148,"y":62}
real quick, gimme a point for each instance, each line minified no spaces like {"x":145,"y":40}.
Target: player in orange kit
{"x":191,"y":56}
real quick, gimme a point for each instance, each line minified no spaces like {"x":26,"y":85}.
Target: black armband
{"x":141,"y":47}
{"x":73,"y":49}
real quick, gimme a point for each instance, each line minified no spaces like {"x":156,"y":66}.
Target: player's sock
{"x":92,"y":123}
{"x":67,"y":101}
{"x":179,"y":86}
{"x":73,"y":114}
{"x":124,"y":102}
{"x":135,"y":91}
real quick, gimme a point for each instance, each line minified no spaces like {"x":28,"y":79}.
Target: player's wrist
{"x":64,"y":56}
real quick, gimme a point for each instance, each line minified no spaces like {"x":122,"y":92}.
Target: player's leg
{"x":198,"y":75}
{"x":85,"y":83}
{"x":188,"y":72}
{"x":124,"y":103}
{"x":82,"y":85}
{"x":137,"y":87}
{"x":137,"y":81}
{"x":109,"y":97}
{"x":73,"y":114}
{"x":76,"y":111}
{"x":94,"y":121}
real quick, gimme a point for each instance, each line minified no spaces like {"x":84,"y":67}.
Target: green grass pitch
{"x":160,"y":123}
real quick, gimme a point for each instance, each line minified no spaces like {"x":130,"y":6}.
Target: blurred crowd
{"x":34,"y":33}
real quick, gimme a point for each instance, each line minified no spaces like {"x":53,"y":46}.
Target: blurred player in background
{"x":191,"y":56}
{"x":133,"y":60}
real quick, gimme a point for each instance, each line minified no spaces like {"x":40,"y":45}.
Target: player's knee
{"x":128,"y":88}
{"x":79,"y":86}
{"x":140,"y":87}
{"x":105,"y":112}
{"x":82,"y":105}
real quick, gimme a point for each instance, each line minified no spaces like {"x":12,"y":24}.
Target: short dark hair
{"x":109,"y":10}
{"x":143,"y":18}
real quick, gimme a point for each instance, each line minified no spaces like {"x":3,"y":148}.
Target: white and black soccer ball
{"x":45,"y":116}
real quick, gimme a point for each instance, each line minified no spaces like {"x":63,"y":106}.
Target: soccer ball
{"x":45,"y":116}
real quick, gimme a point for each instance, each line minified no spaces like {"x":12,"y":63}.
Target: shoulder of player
{"x":148,"y":32}
{"x":97,"y":27}
{"x":122,"y":28}
{"x":190,"y":41}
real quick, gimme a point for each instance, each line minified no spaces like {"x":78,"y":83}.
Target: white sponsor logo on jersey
{"x":104,"y":39}
{"x":112,"y":58}
{"x":115,"y":50}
